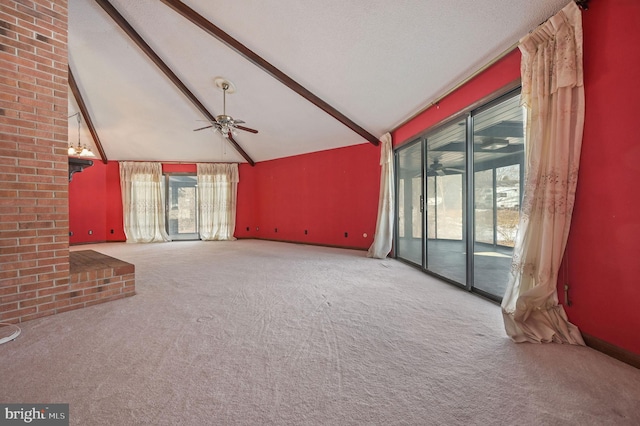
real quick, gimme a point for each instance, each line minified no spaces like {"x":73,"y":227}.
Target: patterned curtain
{"x":217,"y":192}
{"x":383,"y":239}
{"x":143,"y":202}
{"x":553,"y":94}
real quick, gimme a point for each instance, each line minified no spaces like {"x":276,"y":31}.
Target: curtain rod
{"x":582,"y":4}
{"x":180,"y":162}
{"x":202,"y":162}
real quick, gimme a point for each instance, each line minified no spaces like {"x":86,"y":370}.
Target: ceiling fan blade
{"x":246,"y":129}
{"x":202,"y":128}
{"x":455,"y":170}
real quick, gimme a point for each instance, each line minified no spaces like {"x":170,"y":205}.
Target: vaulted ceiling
{"x":375,"y":62}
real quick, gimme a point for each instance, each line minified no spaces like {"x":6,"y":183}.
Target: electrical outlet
{"x":90,"y":232}
{"x":306,"y":232}
{"x":346,"y":235}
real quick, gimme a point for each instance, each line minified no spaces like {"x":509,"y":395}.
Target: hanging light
{"x":79,"y":150}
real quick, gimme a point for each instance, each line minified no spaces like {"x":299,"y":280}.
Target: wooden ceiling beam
{"x":256,"y":59}
{"x":139,"y":41}
{"x":85,"y":114}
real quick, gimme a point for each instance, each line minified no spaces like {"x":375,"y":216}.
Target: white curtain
{"x":217,"y":192}
{"x":383,"y":238}
{"x":553,"y":94}
{"x":143,"y":202}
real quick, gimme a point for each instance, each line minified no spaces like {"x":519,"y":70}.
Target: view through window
{"x":182,"y":206}
{"x":462,"y":184}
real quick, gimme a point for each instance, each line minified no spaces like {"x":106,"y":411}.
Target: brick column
{"x":34,"y":216}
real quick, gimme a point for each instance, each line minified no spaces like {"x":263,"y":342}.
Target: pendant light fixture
{"x":79,"y":150}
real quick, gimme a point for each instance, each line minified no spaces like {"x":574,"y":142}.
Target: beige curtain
{"x":553,"y":94}
{"x":383,"y":237}
{"x":143,"y":202}
{"x":217,"y":192}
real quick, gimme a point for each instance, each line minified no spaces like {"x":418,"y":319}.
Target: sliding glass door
{"x":182,"y":206}
{"x":462,"y":183}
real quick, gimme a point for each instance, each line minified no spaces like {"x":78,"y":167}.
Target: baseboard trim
{"x":307,"y":243}
{"x":84,"y":243}
{"x":612,"y":350}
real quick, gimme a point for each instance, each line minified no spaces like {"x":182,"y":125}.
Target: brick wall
{"x":34,"y":242}
{"x":96,"y":278}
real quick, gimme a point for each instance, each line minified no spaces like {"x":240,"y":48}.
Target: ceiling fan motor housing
{"x":224,"y":119}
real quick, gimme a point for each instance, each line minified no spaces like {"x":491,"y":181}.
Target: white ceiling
{"x":376,"y":61}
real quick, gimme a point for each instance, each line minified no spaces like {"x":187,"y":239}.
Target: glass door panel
{"x":507,"y":204}
{"x":445,"y":159}
{"x":483,"y":198}
{"x":498,"y":161}
{"x":409,"y":213}
{"x":432,"y":203}
{"x":182,"y":207}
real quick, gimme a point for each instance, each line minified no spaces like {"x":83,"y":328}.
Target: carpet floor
{"x":264,"y":333}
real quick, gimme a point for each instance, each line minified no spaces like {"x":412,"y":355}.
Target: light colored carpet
{"x":263,"y":333}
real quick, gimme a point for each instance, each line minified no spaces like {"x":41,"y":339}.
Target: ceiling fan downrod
{"x":225,"y":87}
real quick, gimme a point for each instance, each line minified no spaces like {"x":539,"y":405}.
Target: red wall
{"x":179,"y":168}
{"x":95,"y":204}
{"x":603,"y":265}
{"x":114,"y":226}
{"x":601,"y":259}
{"x":88,"y":204}
{"x":327,"y":193}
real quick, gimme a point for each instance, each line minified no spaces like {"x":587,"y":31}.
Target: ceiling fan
{"x":438,"y":169}
{"x":225,"y":124}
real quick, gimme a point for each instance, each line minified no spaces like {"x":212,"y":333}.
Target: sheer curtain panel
{"x":217,"y":192}
{"x":143,"y":202}
{"x":553,"y":94}
{"x":383,"y":238}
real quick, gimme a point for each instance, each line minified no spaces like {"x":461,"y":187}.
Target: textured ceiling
{"x":376,"y":61}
